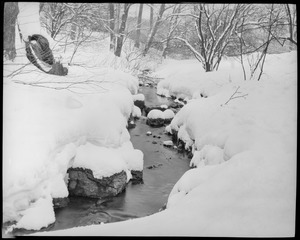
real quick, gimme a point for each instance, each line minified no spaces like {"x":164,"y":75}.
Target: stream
{"x":137,"y":200}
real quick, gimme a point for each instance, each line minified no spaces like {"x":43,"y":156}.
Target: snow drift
{"x":244,"y":183}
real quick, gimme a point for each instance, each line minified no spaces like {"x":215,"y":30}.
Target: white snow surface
{"x":49,"y":122}
{"x":103,"y":161}
{"x":139,"y":96}
{"x":168,"y":114}
{"x":244,"y":183}
{"x":248,"y":191}
{"x":136,"y":112}
{"x":155,"y":113}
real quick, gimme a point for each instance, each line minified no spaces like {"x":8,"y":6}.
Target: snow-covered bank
{"x":45,"y":128}
{"x":245,"y":154}
{"x":242,"y":133}
{"x":47,"y":122}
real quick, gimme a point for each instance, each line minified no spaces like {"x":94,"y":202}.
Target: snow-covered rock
{"x":168,"y":143}
{"x":168,"y":115}
{"x":155,"y":118}
{"x":82,"y":183}
{"x":137,"y":113}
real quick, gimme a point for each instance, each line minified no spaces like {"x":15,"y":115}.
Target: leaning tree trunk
{"x":11,"y":11}
{"x":154,"y":29}
{"x":122,"y":30}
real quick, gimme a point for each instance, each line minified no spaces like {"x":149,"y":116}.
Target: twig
{"x":233,"y":97}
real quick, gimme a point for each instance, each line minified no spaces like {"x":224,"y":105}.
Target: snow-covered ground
{"x":244,"y":180}
{"x":244,"y":183}
{"x":51,"y":123}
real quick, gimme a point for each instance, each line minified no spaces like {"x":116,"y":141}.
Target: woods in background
{"x":206,"y":31}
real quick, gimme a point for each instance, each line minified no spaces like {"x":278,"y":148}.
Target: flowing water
{"x":137,"y":200}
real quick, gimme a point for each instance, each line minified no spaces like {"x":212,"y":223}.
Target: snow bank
{"x":44,"y":127}
{"x":255,"y":135}
{"x":244,"y":183}
{"x":208,"y":155}
{"x":52,"y":123}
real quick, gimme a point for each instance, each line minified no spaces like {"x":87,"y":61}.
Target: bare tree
{"x":268,"y":25}
{"x":174,"y":22}
{"x":214,"y":25}
{"x":56,"y":16}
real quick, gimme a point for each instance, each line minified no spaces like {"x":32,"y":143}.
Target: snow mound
{"x":134,"y":158}
{"x":168,"y":114}
{"x":208,"y":155}
{"x":103,"y":161}
{"x":155,"y":113}
{"x":39,"y":215}
{"x":139,"y":97}
{"x":136,"y":112}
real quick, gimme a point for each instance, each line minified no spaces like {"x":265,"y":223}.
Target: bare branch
{"x":234,"y":97}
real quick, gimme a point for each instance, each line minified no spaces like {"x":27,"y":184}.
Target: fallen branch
{"x":64,"y":85}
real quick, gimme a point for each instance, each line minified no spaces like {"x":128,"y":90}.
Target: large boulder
{"x":83,"y":183}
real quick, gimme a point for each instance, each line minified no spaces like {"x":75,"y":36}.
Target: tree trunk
{"x":165,"y":51}
{"x":122,"y":30}
{"x":73,"y":32}
{"x":151,"y":16}
{"x":208,"y":67}
{"x":138,"y":28}
{"x":11,"y":11}
{"x":154,"y":29}
{"x":112,"y":26}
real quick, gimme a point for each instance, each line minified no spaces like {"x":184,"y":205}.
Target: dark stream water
{"x":137,"y":200}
